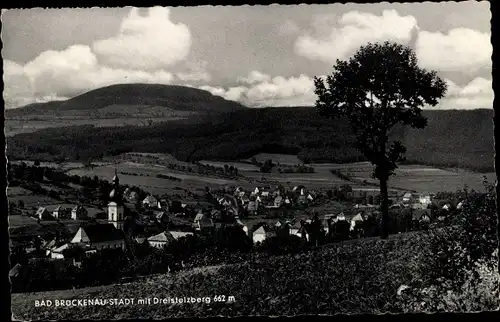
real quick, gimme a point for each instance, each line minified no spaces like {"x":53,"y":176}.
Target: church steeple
{"x":115,"y":206}
{"x":116,"y":180}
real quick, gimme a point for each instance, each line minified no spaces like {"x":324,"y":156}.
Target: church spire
{"x":116,"y":181}
{"x":115,"y":194}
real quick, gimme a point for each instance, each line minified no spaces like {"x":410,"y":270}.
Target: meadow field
{"x":18,"y":126}
{"x":420,"y":178}
{"x":147,"y":180}
{"x":30,"y":199}
{"x":416,"y":178}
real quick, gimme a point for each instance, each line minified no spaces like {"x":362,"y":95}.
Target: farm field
{"x":284,"y":159}
{"x":241,"y":166}
{"x":16,"y":221}
{"x":422,"y":178}
{"x":316,"y":282}
{"x":418,"y":178}
{"x":14,"y":126}
{"x":30,"y":200}
{"x":147,"y":180}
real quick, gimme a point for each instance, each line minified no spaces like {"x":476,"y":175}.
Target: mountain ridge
{"x":173,"y":97}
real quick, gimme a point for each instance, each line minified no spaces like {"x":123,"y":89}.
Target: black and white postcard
{"x":277,"y":160}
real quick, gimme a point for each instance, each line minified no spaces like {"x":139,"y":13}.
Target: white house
{"x":79,"y":213}
{"x":150,"y":201}
{"x":407,"y":198}
{"x":57,"y":252}
{"x":161,"y":240}
{"x":99,"y":236}
{"x":278,"y":201}
{"x":261,"y":234}
{"x":356,"y":220}
{"x":425,"y":199}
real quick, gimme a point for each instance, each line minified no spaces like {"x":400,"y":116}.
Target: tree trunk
{"x":384,"y":207}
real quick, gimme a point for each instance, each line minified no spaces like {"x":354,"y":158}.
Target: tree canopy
{"x":379,"y":87}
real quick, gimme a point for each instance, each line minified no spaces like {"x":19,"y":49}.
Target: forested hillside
{"x":452,"y":138}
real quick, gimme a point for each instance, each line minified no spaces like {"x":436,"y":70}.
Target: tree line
{"x":243,"y":134}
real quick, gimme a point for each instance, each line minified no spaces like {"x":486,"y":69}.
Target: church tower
{"x":115,"y":205}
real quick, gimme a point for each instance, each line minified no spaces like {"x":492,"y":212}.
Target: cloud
{"x":261,"y":90}
{"x":151,"y":42}
{"x":254,"y":77}
{"x":18,"y":89}
{"x":197,"y":72}
{"x":80,"y":68}
{"x":461,"y":49}
{"x":478,"y":93}
{"x":354,"y":30}
{"x":68,"y":73}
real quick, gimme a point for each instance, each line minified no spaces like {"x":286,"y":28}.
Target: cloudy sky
{"x":257,"y":55}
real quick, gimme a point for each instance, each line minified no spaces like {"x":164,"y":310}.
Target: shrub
{"x":461,"y":259}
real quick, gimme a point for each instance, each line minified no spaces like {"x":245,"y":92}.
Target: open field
{"x":316,"y":282}
{"x":284,"y":159}
{"x":418,"y":178}
{"x":16,"y":126}
{"x":421,"y":178}
{"x":241,"y":166}
{"x":30,"y":200}
{"x":16,"y":221}
{"x":147,"y":180}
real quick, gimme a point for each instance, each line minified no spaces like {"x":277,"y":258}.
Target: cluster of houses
{"x":93,"y":236}
{"x":269,"y":198}
{"x":78,"y":212}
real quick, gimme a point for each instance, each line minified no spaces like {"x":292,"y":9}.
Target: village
{"x":261,"y":214}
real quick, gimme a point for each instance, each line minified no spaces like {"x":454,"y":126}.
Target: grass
{"x":13,"y":127}
{"x":359,"y":276}
{"x":421,"y":178}
{"x":147,"y":180}
{"x":285,"y":159}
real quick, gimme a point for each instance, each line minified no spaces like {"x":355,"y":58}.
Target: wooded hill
{"x":131,"y":100}
{"x":452,"y":138}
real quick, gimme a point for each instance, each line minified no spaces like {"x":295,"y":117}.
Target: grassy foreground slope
{"x":359,"y":276}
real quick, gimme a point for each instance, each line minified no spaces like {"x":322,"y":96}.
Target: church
{"x":116,"y":207}
{"x":96,"y":236}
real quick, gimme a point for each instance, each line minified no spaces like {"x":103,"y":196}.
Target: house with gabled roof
{"x":278,"y":201}
{"x":262,"y":233}
{"x":252,"y":207}
{"x":79,"y":213}
{"x":99,"y":236}
{"x":43,"y":214}
{"x":150,"y":201}
{"x":161,"y":240}
{"x":61,"y":212}
{"x":298,"y":229}
{"x":202,"y":221}
{"x":408,"y":198}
